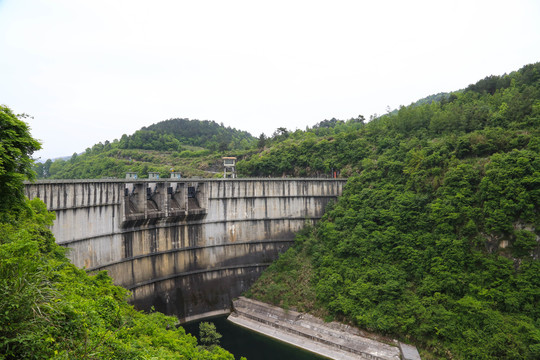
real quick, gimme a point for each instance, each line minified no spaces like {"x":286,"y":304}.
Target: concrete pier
{"x":332,"y":340}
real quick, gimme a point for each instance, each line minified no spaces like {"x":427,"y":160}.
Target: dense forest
{"x":436,"y":237}
{"x":435,"y":240}
{"x":49,"y":309}
{"x":206,"y":134}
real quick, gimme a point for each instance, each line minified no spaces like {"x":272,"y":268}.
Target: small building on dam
{"x":185,"y":246}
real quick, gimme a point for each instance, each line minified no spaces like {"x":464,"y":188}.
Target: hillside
{"x":192,"y":147}
{"x":436,"y":237}
{"x":206,"y":134}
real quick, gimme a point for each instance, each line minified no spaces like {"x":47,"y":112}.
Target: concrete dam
{"x":187,"y":247}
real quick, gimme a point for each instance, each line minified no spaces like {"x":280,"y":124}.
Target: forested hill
{"x":497,"y":114}
{"x":192,"y":147}
{"x":435,"y":240}
{"x":171,"y":135}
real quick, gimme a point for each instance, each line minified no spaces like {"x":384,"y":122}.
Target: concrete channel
{"x":332,"y":340}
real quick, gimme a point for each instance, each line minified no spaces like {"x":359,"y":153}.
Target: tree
{"x":262,"y":141}
{"x":223,"y":146}
{"x":46,"y":168}
{"x":208,"y":336}
{"x":16,"y":148}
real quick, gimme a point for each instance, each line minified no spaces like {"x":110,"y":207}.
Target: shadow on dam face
{"x":203,"y":281}
{"x":199,"y":295}
{"x":186,"y":247}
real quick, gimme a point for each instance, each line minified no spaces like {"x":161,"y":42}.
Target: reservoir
{"x":254,"y":346}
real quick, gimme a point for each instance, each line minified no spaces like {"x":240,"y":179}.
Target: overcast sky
{"x":90,"y":71}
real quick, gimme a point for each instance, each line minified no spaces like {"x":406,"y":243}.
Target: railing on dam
{"x":185,"y":246}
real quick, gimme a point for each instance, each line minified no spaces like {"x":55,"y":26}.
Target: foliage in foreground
{"x":49,"y":309}
{"x":436,"y":237}
{"x":16,"y":147}
{"x":52,"y":310}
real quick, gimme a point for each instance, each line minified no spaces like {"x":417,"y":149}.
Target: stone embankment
{"x":332,"y":340}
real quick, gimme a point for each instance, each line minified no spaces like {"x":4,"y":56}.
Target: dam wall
{"x":187,"y":247}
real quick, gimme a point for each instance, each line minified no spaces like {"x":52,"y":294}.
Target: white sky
{"x":92,"y":70}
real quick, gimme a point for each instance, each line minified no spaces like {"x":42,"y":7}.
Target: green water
{"x":254,"y":346}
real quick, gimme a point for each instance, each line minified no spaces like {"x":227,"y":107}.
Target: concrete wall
{"x":186,"y":247}
{"x":329,"y":339}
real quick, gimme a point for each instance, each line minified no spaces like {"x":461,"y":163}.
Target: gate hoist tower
{"x":229,"y":167}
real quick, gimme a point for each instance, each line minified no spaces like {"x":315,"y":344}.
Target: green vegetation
{"x":16,"y":147}
{"x":436,"y":237}
{"x":49,"y":309}
{"x":191,"y":147}
{"x":208,"y":335}
{"x":287,"y":282}
{"x":206,"y":134}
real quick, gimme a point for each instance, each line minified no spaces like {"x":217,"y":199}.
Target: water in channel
{"x":254,"y":346}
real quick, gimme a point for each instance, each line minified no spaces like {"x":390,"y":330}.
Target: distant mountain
{"x":431,"y":98}
{"x":40,"y":160}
